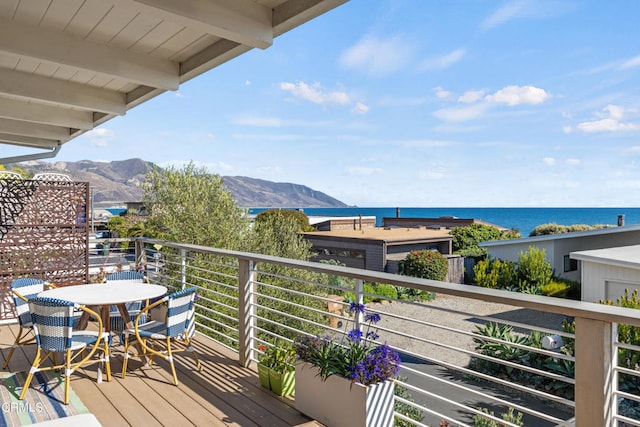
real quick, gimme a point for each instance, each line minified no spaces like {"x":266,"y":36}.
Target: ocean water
{"x":522,"y":219}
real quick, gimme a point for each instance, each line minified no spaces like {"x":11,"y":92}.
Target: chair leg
{"x":16,"y":344}
{"x":6,"y":361}
{"x":67,"y":377}
{"x":126,"y":356}
{"x":190,"y":349}
{"x":107,"y":358}
{"x":34,"y":369}
{"x":170,"y":359}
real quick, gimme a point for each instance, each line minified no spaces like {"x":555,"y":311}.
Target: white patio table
{"x":104,"y":295}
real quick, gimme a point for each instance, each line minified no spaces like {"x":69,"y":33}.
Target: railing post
{"x":246,"y":310}
{"x":358,"y":317}
{"x":593,"y":373}
{"x":183,"y":268}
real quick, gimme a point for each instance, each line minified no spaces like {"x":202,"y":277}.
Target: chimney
{"x":620,"y":220}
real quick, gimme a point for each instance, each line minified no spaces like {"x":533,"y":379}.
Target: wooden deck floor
{"x":222,"y":394}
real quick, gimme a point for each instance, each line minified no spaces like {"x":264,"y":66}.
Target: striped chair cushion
{"x":28,"y":287}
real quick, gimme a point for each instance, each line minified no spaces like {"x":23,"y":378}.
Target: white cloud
{"x":423,"y":143}
{"x":179,"y":95}
{"x":443,"y":61}
{"x":441,"y":93}
{"x":572,"y":162}
{"x":360,"y":108}
{"x":509,"y":11}
{"x":260,"y":121}
{"x":362,"y":171}
{"x":612,"y":112}
{"x":549,"y":161}
{"x":461,"y":114}
{"x":630,"y":63}
{"x":471,"y":96}
{"x":610,"y":121}
{"x":377,"y":56}
{"x":567,"y":129}
{"x":605,"y":125}
{"x":100,"y":137}
{"x":432,"y":174}
{"x":516,"y":95}
{"x":520,"y":9}
{"x":315,"y":93}
{"x":634,"y":150}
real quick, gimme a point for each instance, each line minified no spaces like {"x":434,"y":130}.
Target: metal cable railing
{"x":466,"y":350}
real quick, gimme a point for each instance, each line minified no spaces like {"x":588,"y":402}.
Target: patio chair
{"x":116,"y":322}
{"x":157,"y":338}
{"x":53,"y":327}
{"x":24,"y":288}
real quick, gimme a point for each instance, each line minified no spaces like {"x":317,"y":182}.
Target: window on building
{"x":570,"y":264}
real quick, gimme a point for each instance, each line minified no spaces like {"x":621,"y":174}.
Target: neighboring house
{"x":377,"y":248}
{"x":558,"y":247}
{"x":441,"y":222}
{"x":321,"y":223}
{"x":606,"y":273}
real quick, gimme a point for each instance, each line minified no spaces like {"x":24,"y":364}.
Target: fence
{"x":464,"y":349}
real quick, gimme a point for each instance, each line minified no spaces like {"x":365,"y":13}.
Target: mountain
{"x":117,"y":182}
{"x":258,"y":192}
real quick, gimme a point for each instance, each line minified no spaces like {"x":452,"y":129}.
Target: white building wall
{"x":607,"y":282}
{"x":511,"y":252}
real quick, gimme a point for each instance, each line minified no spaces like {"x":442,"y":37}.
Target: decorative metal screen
{"x":43,"y":232}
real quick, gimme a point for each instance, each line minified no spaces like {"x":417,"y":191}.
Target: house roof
{"x":562,"y":236}
{"x":623,"y":256}
{"x":69,"y":66}
{"x":391,"y":235}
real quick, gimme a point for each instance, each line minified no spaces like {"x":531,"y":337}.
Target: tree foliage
{"x":466,"y":239}
{"x":194,"y":206}
{"x":300,"y":219}
{"x":425,"y":264}
{"x":553,"y":228}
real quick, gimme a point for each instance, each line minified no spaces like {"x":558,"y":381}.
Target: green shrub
{"x":627,"y":334}
{"x":405,"y":409}
{"x":494,"y":273}
{"x":510,"y":417}
{"x":425,"y":264}
{"x":299,"y":218}
{"x":533,"y":268}
{"x":386,"y":291}
{"x":556,"y":288}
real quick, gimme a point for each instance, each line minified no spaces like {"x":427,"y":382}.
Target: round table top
{"x":110,"y":293}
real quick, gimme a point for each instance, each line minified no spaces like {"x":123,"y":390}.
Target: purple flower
{"x":356,"y":308}
{"x":372,"y":318}
{"x":355,"y":335}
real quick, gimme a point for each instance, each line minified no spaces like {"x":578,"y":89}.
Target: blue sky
{"x":531,"y":103}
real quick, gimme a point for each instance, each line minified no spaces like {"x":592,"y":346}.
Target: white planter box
{"x":337,"y":402}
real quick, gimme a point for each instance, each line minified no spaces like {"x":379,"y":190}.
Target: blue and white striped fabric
{"x":53,"y":324}
{"x":28,"y":287}
{"x":115,"y":319}
{"x":180,"y":317}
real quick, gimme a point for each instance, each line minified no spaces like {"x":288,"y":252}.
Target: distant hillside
{"x":258,"y":192}
{"x":115,"y":183}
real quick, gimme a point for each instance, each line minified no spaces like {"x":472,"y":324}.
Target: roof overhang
{"x":69,"y":66}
